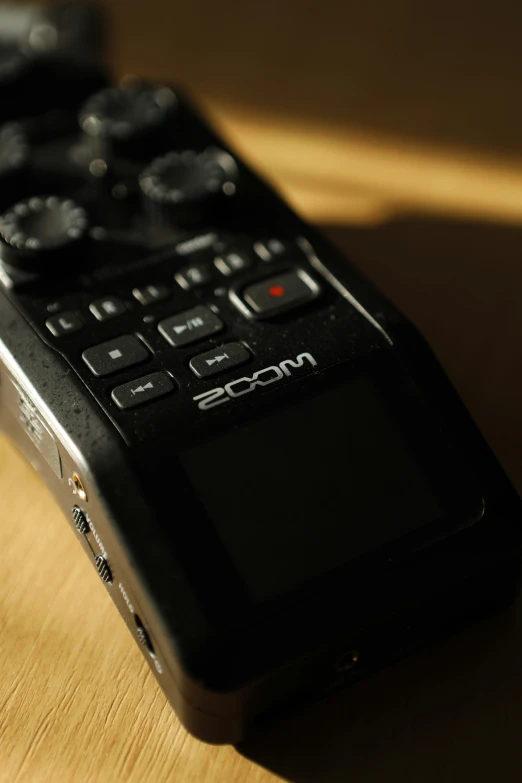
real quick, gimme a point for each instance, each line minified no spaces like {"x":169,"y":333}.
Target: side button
{"x":103,"y":569}
{"x":143,"y":636}
{"x":80,"y":520}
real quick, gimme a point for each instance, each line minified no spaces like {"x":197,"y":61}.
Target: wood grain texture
{"x":436,"y":222}
{"x":77,"y":701}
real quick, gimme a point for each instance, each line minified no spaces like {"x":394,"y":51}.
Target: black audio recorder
{"x":260,"y":455}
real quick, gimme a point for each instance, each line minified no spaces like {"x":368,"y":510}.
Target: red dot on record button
{"x":276,"y":290}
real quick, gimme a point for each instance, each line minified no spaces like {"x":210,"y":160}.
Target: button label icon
{"x":148,"y":385}
{"x":218,"y":359}
{"x":64,"y":323}
{"x":150,"y":294}
{"x":195,"y":323}
{"x":107,"y":307}
{"x":114,"y":355}
{"x":149,"y":388}
{"x":233,"y":261}
{"x":194,"y":275}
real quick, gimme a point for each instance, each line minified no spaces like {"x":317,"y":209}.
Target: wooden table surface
{"x":438,"y":226}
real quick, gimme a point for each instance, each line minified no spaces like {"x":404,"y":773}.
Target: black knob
{"x":37,"y":233}
{"x":185,"y":186}
{"x":118,"y":121}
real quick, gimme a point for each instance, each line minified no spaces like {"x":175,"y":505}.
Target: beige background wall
{"x":448,"y":71}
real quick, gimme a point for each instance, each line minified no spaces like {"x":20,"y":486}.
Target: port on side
{"x":79,"y":487}
{"x":347,"y":661}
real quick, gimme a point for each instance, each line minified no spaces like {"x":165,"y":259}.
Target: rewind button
{"x":152,"y":386}
{"x":219,"y":359}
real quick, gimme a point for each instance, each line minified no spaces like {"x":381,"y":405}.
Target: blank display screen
{"x":312,"y":487}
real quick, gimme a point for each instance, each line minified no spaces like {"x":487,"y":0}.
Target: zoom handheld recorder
{"x":259,"y":454}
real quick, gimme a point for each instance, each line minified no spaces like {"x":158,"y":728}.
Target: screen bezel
{"x":210,"y":569}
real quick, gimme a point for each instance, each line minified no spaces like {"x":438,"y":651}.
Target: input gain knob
{"x":37,"y":231}
{"x":118,"y":120}
{"x":182,"y":185}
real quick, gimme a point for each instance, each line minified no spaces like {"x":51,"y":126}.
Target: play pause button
{"x":189,"y":326}
{"x":152,"y":386}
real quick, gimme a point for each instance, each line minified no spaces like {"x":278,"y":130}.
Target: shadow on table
{"x":453,"y":713}
{"x":460,"y":282}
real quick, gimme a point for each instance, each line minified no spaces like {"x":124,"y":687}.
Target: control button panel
{"x":273,"y":278}
{"x":277,"y":294}
{"x":142,"y":390}
{"x":64,"y":323}
{"x":189,"y":326}
{"x":219,"y":360}
{"x":115,"y":355}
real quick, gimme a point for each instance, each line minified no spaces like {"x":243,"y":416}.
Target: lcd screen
{"x":322,"y":482}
